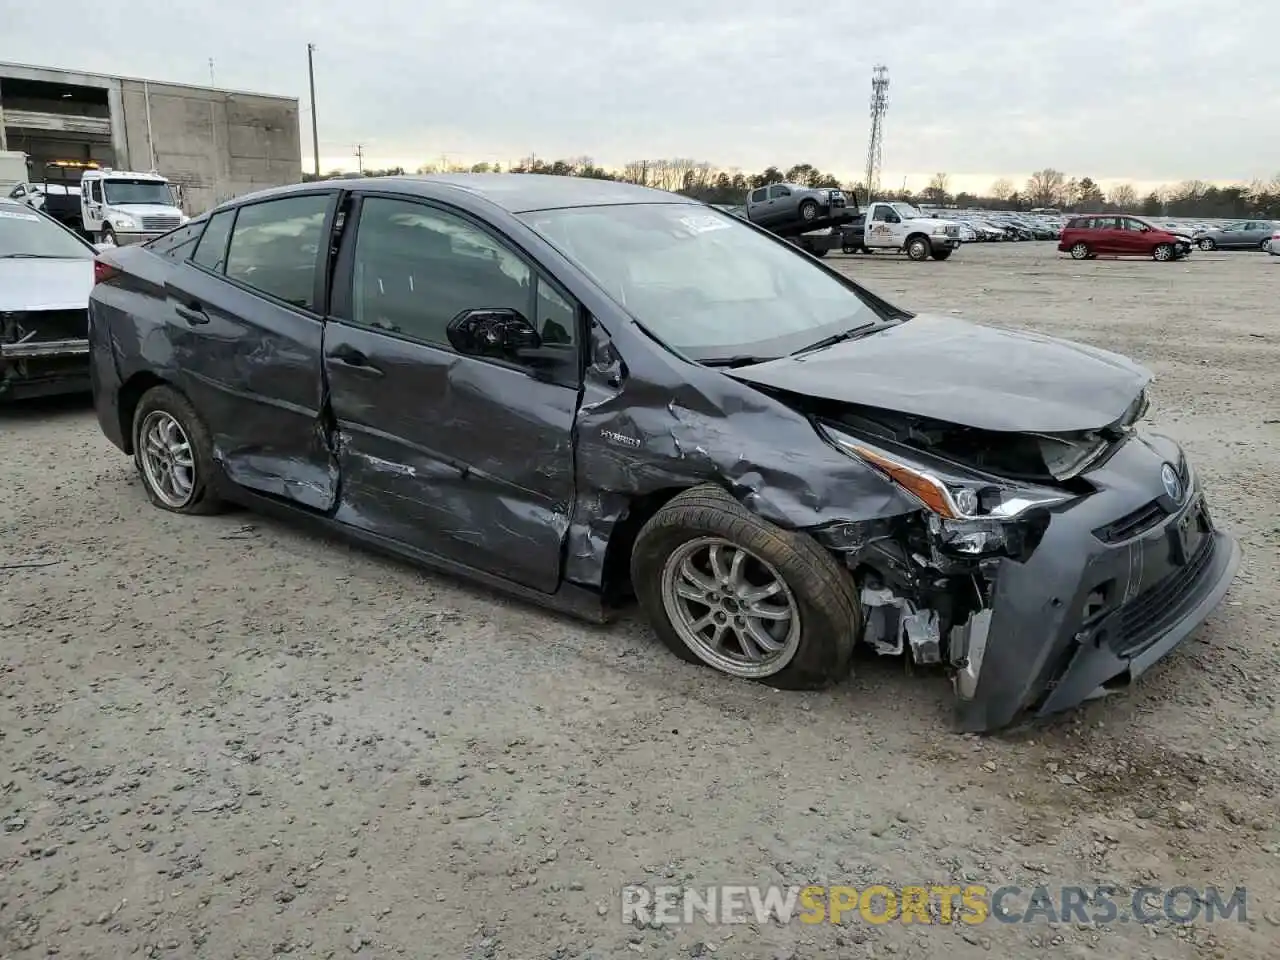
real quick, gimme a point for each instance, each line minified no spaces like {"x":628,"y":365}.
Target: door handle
{"x":191,"y":314}
{"x":357,"y":361}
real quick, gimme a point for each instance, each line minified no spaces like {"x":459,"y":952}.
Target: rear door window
{"x":211,"y":250}
{"x":275,"y":247}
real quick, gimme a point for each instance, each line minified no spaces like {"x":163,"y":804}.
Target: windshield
{"x":907,"y":212}
{"x":702,"y":281}
{"x":29,"y":234}
{"x":120,"y":192}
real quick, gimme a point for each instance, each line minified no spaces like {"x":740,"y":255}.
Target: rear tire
{"x":173,"y":453}
{"x":685,"y":574}
{"x":1080,"y":251}
{"x":918,"y":248}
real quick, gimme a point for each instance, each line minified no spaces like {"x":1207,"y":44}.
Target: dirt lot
{"x":224,"y":738}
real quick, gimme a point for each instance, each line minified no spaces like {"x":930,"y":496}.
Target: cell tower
{"x":875,"y":145}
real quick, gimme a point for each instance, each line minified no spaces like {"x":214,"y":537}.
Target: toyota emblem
{"x":1172,"y":485}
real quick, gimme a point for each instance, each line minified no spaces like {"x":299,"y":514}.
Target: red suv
{"x":1120,"y":236}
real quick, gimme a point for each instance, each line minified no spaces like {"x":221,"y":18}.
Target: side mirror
{"x":493,"y":332}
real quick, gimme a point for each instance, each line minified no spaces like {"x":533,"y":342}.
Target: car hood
{"x":952,"y":370}
{"x":146,"y":209}
{"x":45,"y":284}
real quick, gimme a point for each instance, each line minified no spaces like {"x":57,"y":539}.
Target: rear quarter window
{"x":177,"y":244}
{"x":1079,"y":223}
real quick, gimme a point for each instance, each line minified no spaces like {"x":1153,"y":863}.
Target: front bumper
{"x":1117,"y":581}
{"x":125,"y":238}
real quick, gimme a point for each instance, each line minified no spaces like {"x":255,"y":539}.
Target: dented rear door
{"x":466,"y":459}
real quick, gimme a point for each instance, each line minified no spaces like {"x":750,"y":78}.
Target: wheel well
{"x":127,"y":402}
{"x":615,"y":584}
{"x":916,"y":236}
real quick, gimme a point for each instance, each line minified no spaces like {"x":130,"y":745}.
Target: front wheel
{"x":809,"y":210}
{"x":942,"y":254}
{"x":1080,"y":251}
{"x":1207,"y":244}
{"x":918,"y":248}
{"x":107,"y":237}
{"x":1163,"y":252}
{"x":724,"y":588}
{"x":173,"y":453}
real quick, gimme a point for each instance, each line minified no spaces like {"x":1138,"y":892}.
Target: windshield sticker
{"x":704,"y":223}
{"x":9,"y":215}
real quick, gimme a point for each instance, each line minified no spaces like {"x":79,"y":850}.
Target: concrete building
{"x":215,"y":144}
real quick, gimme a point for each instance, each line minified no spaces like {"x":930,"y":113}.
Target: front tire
{"x":942,"y":254}
{"x":1163,"y":252}
{"x":1207,"y":244}
{"x":173,"y":453}
{"x":918,"y":248}
{"x":809,"y":210}
{"x":1080,"y":251}
{"x":107,"y":237}
{"x":724,"y":588}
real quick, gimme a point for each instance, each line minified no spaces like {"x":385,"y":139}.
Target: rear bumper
{"x":1083,"y":614}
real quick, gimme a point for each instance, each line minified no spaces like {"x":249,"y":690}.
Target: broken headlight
{"x":948,"y":491}
{"x":969,"y":512}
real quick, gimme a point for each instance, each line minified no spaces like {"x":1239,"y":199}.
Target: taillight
{"x":103,"y":272}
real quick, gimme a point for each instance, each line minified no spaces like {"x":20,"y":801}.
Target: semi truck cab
{"x":120,"y":207}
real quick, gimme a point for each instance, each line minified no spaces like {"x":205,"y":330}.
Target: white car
{"x":1273,"y":245}
{"x":46,"y":276}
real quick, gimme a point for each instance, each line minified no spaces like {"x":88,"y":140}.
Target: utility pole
{"x":875,"y":144}
{"x":315,"y":128}
{"x":212,"y":82}
{"x":360,"y":158}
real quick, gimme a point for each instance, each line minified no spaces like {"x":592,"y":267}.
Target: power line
{"x":875,"y":145}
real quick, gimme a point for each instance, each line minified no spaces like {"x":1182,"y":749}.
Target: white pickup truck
{"x":901,"y":228}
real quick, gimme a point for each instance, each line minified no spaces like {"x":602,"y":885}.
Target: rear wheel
{"x":1265,"y":245}
{"x":1080,"y":251}
{"x":1163,"y":252}
{"x":918,"y":248}
{"x":723,"y":587}
{"x":173,"y":453}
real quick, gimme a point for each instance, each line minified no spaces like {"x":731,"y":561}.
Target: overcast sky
{"x":1146,"y":91}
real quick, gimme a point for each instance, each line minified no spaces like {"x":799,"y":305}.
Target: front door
{"x":246,"y":340}
{"x":91,"y":205}
{"x":459,"y":457}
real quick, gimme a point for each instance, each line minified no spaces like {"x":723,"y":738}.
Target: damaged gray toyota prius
{"x":582,"y":391}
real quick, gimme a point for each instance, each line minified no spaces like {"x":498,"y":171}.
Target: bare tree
{"x":1045,"y":187}
{"x":1002,"y":189}
{"x":937,"y":191}
{"x":637,"y":171}
{"x":1123,"y":196}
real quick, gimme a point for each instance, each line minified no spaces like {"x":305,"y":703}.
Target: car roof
{"x":513,"y":192}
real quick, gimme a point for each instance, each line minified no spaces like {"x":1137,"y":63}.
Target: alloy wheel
{"x":168,"y":465}
{"x":732,"y":609}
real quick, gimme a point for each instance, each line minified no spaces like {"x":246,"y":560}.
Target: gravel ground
{"x":225,"y":738}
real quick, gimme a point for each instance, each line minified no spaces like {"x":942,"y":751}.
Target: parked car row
{"x":1003,"y":226}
